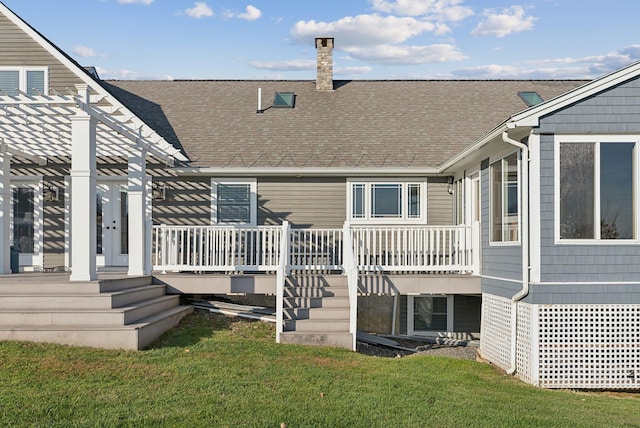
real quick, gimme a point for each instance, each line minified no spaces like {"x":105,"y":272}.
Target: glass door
{"x":112,"y":238}
{"x":26,"y":223}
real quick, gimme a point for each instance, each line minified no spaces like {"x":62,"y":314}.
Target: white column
{"x":5,"y":207}
{"x":83,"y":191}
{"x":137,"y":194}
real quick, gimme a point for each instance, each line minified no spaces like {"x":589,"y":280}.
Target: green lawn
{"x":215,"y":371}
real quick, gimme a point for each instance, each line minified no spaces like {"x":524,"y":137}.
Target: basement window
{"x":530,"y":98}
{"x":284,"y":100}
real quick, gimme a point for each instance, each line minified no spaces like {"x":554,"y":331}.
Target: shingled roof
{"x":359,"y":124}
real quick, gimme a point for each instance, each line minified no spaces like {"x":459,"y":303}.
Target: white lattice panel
{"x":524,"y":350}
{"x":495,"y":344}
{"x":589,"y":346}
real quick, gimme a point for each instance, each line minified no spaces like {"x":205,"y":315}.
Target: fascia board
{"x":306,"y":172}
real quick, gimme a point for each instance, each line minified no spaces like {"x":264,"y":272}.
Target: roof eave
{"x":306,"y":172}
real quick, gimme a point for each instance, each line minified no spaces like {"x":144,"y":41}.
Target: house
{"x":503,"y":209}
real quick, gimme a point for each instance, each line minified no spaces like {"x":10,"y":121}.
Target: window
{"x":530,"y":98}
{"x":504,"y":199}
{"x":284,"y":100}
{"x":387,"y":201}
{"x":31,"y":80}
{"x":233,"y":202}
{"x":595,"y":190}
{"x":429,"y":314}
{"x":23,"y":220}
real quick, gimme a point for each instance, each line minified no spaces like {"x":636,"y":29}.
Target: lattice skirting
{"x":495,"y":328}
{"x":595,"y":346}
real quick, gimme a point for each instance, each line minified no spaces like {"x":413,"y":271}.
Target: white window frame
{"x":253,"y":186}
{"x":404,"y":183}
{"x":31,"y":261}
{"x":597,"y":139}
{"x":515,"y":242}
{"x":22,"y":71}
{"x":410,"y":313}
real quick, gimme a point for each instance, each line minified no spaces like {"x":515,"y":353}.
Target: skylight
{"x":284,"y":99}
{"x":531,"y":98}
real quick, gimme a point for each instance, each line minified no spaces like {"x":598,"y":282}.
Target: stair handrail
{"x":351,"y":271}
{"x":281,"y":276}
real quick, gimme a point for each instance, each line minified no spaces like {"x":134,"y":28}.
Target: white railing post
{"x":164,"y":248}
{"x":281,"y":277}
{"x":351,"y":271}
{"x":476,"y":242}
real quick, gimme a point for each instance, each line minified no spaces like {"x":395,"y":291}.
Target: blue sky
{"x":375,"y":39}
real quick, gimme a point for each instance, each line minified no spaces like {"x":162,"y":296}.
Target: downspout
{"x":525,"y":247}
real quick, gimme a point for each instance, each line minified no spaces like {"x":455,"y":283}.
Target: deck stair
{"x":116,"y":313}
{"x":316,"y":311}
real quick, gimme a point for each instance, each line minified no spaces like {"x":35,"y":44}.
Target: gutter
{"x":525,"y":246}
{"x":306,"y":172}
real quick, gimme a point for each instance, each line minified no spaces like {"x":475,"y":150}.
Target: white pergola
{"x":83,"y":127}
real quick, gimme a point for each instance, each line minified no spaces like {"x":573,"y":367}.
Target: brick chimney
{"x":324,"y":46}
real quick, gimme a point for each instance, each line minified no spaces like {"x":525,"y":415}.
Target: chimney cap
{"x":324,"y":41}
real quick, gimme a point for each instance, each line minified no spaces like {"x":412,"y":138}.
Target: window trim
{"x":517,"y":241}
{"x":405,"y":183}
{"x":596,"y":139}
{"x":22,"y":72}
{"x":253,"y":210}
{"x":410,"y":313}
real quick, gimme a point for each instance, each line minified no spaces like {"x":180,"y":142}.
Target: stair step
{"x":54,"y":285}
{"x":319,"y":314}
{"x":131,"y":336}
{"x":338,"y":340}
{"x":79,"y":316}
{"x":317,"y":280}
{"x":107,"y":300}
{"x":316,"y":291}
{"x":316,"y":302}
{"x":314,"y":326}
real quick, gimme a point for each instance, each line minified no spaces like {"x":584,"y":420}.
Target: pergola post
{"x":5,"y":207}
{"x":137,"y":199}
{"x":83,"y":192}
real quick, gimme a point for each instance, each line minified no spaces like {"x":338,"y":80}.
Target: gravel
{"x":462,"y":351}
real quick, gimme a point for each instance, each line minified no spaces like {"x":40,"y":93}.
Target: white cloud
{"x":135,"y":1}
{"x":199,"y":10}
{"x":508,"y":21}
{"x":293,"y":65}
{"x":442,"y":10}
{"x":306,"y":65}
{"x":252,"y":13}
{"x":363,"y":30}
{"x":125,"y":74}
{"x":407,"y":55}
{"x":84,"y":51}
{"x":379,"y":39}
{"x":351,"y":71}
{"x":587,"y":67}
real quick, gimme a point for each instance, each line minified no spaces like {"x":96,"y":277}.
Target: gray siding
{"x":187,"y":202}
{"x":502,"y":262}
{"x":304,"y":202}
{"x":18,"y":49}
{"x":614,"y":111}
{"x":439,"y":202}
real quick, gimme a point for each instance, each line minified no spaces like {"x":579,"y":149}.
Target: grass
{"x":216,"y":371}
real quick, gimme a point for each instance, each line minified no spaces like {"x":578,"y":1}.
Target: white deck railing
{"x":414,"y":249}
{"x":443,"y":249}
{"x":216,"y":248}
